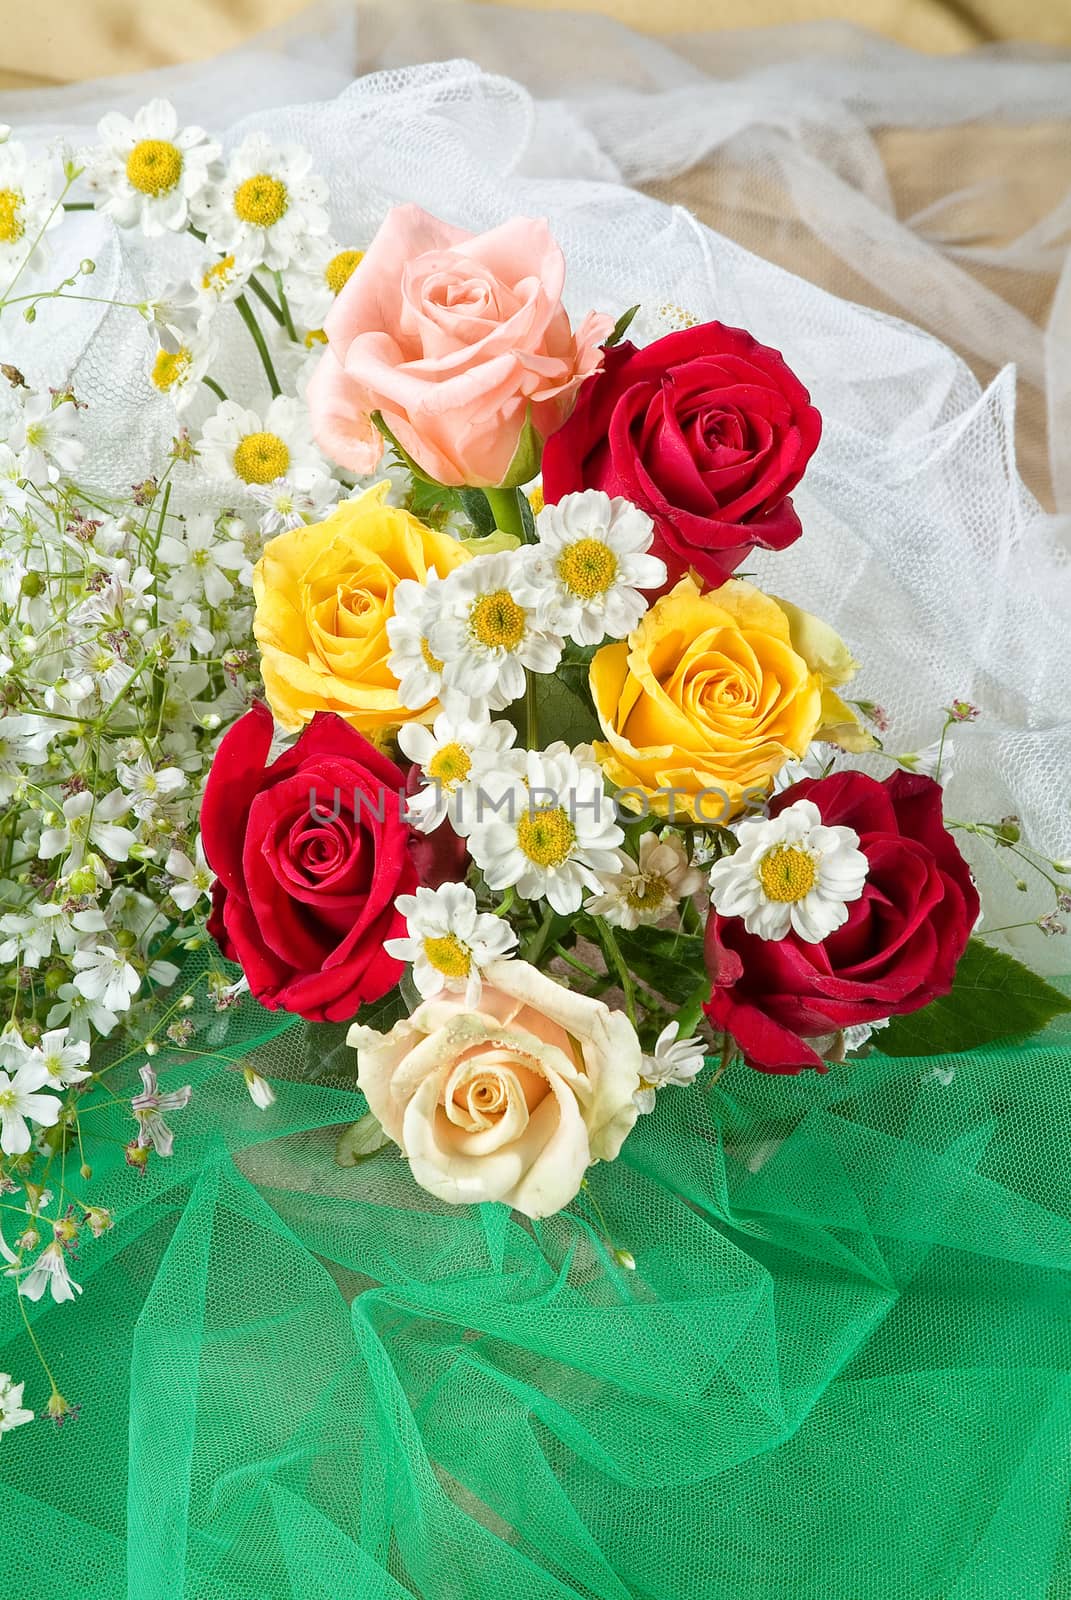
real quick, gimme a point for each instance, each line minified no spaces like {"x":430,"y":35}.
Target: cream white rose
{"x":512,"y":1101}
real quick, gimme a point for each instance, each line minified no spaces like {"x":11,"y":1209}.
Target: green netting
{"x":842,"y":1367}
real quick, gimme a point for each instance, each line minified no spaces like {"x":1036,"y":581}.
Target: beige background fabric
{"x":66,"y":40}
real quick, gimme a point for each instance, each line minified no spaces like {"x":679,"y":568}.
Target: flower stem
{"x":531,"y":712}
{"x":265,"y":298}
{"x":245,"y":311}
{"x":210,"y":383}
{"x":284,"y":307}
{"x":506,"y":509}
{"x":612,"y":951}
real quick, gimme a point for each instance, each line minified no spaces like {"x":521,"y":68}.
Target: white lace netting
{"x":921,"y":544}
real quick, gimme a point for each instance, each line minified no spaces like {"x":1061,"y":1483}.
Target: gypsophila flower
{"x":485,"y":638}
{"x":148,"y":785}
{"x":260,"y":1090}
{"x":1051,"y":925}
{"x":585,"y":574}
{"x":192,"y":879}
{"x":201,"y":558}
{"x":50,"y":1272}
{"x":46,"y":437}
{"x":962,"y":711}
{"x":448,"y":941}
{"x":64,"y":1059}
{"x":14,"y":490}
{"x":936,"y":761}
{"x":550,"y":832}
{"x":149,"y":169}
{"x":239,"y":449}
{"x":674,"y":1061}
{"x":267,"y":206}
{"x":451,"y":754}
{"x":104,"y":975}
{"x":304,"y":496}
{"x":12,"y":1411}
{"x":790,"y":873}
{"x":97,"y":1219}
{"x":20,"y":1098}
{"x":147,"y":1108}
{"x":89,"y":820}
{"x":644,"y":891}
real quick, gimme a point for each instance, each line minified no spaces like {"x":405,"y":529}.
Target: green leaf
{"x":476,"y":507}
{"x":360,"y":1140}
{"x":524,"y":505}
{"x":402,"y":453}
{"x":562,"y":711}
{"x":670,"y":963}
{"x":432,"y":503}
{"x":526,"y":457}
{"x":993,"y":997}
{"x":620,"y":328}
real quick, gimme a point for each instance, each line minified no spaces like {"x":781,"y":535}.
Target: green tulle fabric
{"x":841,"y":1367}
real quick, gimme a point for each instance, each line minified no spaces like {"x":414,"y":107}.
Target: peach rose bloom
{"x":456,"y":339}
{"x":510,"y":1100}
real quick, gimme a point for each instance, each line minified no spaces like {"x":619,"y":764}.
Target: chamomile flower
{"x":315,"y":282}
{"x":790,"y":873}
{"x":268,"y":205}
{"x":452,"y":753}
{"x":178,"y":373}
{"x":240,"y":448}
{"x":550,"y":832}
{"x":150,"y":170}
{"x":584,"y":576}
{"x":674,"y":1061}
{"x":644,"y":891}
{"x":28,"y":208}
{"x":485,"y":637}
{"x":218,"y":283}
{"x":448,"y":941}
{"x":412,"y":661}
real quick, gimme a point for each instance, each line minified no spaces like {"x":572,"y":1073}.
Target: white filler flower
{"x":550,"y":832}
{"x":448,"y":941}
{"x":585,"y":574}
{"x":790,"y":872}
{"x":485,"y":638}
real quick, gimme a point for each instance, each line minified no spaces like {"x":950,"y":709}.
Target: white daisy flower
{"x":201,"y":557}
{"x":645,"y":891}
{"x":218,"y":283}
{"x":28,"y":210}
{"x":675,"y":1061}
{"x":584,"y":576}
{"x":268,"y":205}
{"x":238,"y":447}
{"x":88,"y":820}
{"x":550,"y":833}
{"x":21,"y":1101}
{"x":105,"y":976}
{"x":46,"y":438}
{"x":485,"y":637}
{"x":418,"y":670}
{"x":452,"y":754}
{"x":178,"y":373}
{"x":314,"y":283}
{"x":64,"y":1059}
{"x":306,"y":495}
{"x":193,"y":879}
{"x":151,"y":170}
{"x":12,"y":1411}
{"x":790,"y":872}
{"x":448,"y":942}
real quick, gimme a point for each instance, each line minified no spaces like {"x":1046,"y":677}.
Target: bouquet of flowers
{"x":421,"y":689}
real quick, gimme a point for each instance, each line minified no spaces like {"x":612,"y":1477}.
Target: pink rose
{"x":456,"y":339}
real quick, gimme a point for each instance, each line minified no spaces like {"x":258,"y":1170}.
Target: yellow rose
{"x":716,"y":691}
{"x":323,"y":596}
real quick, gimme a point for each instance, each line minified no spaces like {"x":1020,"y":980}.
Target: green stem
{"x":210,"y":383}
{"x":689,"y":1014}
{"x":531,"y":712}
{"x":537,"y":942}
{"x":506,"y":510}
{"x":690,"y":916}
{"x":245,"y":311}
{"x":284,"y":306}
{"x":266,"y":300}
{"x":612,"y":951}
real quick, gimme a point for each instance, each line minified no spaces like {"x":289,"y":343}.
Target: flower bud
{"x":31,"y":585}
{"x":624,"y":1258}
{"x":151,"y":1048}
{"x":30,"y":314}
{"x":87,"y":267}
{"x":84,"y":881}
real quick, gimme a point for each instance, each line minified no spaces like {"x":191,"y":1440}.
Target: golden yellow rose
{"x":715,"y":692}
{"x":323,"y":596}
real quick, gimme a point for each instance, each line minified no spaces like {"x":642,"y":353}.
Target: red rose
{"x":707,"y":430}
{"x":897,"y":951}
{"x":302,"y":903}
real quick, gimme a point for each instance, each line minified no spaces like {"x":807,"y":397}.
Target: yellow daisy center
{"x":261,"y":201}
{"x":170,"y":367}
{"x":496,"y":620}
{"x":315,"y":336}
{"x":450,"y":765}
{"x":645,"y":893}
{"x":261,"y":458}
{"x":154,"y":166}
{"x":432,"y":662}
{"x":10,"y":221}
{"x":536,"y":500}
{"x":218,"y":275}
{"x":546,"y":836}
{"x":448,"y":956}
{"x":340,"y":269}
{"x":587,"y":568}
{"x":787,"y":873}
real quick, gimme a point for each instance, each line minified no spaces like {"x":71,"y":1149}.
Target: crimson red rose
{"x":302,"y":903}
{"x":897,"y":951}
{"x":707,"y":430}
